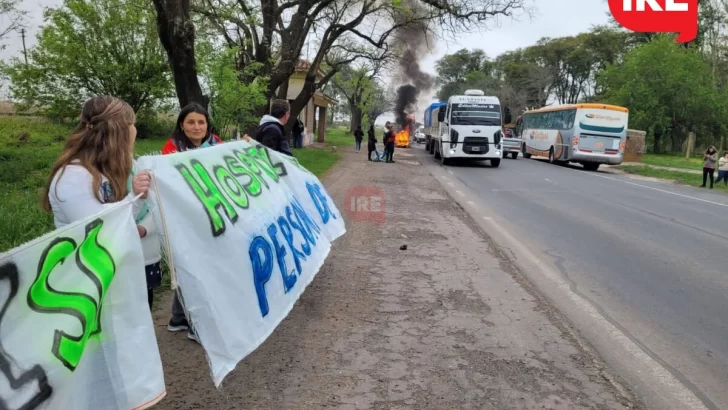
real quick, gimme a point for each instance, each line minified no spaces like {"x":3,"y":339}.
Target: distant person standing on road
{"x":709,"y":160}
{"x":389,"y":143}
{"x":358,"y":136}
{"x":723,"y":169}
{"x":298,"y":134}
{"x":372,"y":143}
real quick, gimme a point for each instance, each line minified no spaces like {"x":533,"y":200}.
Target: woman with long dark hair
{"x":709,"y":159}
{"x":193,"y":130}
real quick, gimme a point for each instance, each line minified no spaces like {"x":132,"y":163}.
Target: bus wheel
{"x":432,"y":147}
{"x":525,"y":153}
{"x":495,"y":163}
{"x":552,"y":157}
{"x":437,"y":152}
{"x":591,"y":166}
{"x":427,"y":145}
{"x":514,"y":155}
{"x":445,"y":161}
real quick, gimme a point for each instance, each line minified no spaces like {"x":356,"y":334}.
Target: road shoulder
{"x":441,"y":324}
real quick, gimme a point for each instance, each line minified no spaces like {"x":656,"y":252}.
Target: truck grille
{"x":475,"y":145}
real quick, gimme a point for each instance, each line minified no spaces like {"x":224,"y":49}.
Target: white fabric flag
{"x":75,"y":327}
{"x":248,"y":228}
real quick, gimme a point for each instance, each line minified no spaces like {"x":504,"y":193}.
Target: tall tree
{"x":669,"y":90}
{"x":358,"y":85}
{"x":176,"y":32}
{"x":91,"y":47}
{"x":274,"y":34}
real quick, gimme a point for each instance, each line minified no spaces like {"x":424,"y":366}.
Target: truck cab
{"x":470,"y":129}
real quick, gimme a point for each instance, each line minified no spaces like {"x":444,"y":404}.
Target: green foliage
{"x":93,"y":47}
{"x":28,"y":148}
{"x":149,"y":125}
{"x":669,"y":90}
{"x":233,"y":102}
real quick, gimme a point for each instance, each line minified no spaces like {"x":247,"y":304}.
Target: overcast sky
{"x":552,"y":18}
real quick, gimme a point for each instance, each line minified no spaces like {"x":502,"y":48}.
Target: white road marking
{"x":471,"y":203}
{"x":460,"y":193}
{"x":659,"y":190}
{"x":548,"y":180}
{"x":451,"y":184}
{"x":450,"y":172}
{"x":444,"y":177}
{"x":681,"y":394}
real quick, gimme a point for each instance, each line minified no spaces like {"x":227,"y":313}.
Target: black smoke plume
{"x":414,"y":40}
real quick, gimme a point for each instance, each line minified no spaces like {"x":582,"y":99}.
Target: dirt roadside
{"x":441,"y":325}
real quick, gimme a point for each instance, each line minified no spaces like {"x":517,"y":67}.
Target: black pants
{"x":389,"y":155}
{"x":706,"y":172}
{"x":150,"y":297}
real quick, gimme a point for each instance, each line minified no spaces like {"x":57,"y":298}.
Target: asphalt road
{"x":651,"y":256}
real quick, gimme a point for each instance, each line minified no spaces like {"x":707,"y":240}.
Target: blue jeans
{"x":358,"y":145}
{"x":298,"y":143}
{"x":722,"y":175}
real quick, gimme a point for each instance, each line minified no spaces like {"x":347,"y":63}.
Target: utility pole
{"x":25,"y":51}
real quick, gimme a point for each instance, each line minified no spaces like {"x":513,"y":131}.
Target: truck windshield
{"x":476,"y":114}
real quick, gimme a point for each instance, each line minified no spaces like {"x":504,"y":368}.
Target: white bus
{"x":470,"y":128}
{"x":588,"y":134}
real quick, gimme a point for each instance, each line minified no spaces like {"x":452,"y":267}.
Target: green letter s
{"x":96,"y":262}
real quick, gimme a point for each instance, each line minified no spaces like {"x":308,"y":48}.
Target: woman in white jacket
{"x":723,"y":169}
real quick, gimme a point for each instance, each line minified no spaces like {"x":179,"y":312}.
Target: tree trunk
{"x":690,"y":145}
{"x":177,"y":35}
{"x":721,"y":143}
{"x":356,"y":117}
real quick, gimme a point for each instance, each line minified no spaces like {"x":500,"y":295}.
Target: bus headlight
{"x":452,"y":152}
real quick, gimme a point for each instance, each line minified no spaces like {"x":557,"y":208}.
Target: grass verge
{"x":673,"y":161}
{"x":29,"y":146}
{"x":685,"y":178}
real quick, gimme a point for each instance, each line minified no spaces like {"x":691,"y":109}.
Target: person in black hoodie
{"x":372,"y":145}
{"x":389,"y":143}
{"x":358,"y":136}
{"x":270,"y":132}
{"x":298,"y":134}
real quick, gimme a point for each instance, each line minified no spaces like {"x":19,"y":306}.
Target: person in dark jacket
{"x":271,"y":132}
{"x":372,"y":145}
{"x":358,"y":136}
{"x":298,"y":134}
{"x":389,"y":143}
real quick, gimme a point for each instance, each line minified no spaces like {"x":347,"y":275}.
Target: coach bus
{"x":588,"y":134}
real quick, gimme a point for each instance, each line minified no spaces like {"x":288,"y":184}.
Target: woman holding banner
{"x":193,"y":130}
{"x":94,"y":168}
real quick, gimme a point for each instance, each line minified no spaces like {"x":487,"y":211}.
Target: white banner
{"x":75,"y":327}
{"x":249,"y":229}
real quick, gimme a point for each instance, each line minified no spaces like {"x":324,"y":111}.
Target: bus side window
{"x":570,"y":116}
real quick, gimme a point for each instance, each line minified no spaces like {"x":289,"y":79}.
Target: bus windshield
{"x":476,"y":114}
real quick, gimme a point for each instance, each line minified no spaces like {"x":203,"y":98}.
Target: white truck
{"x":470,"y":128}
